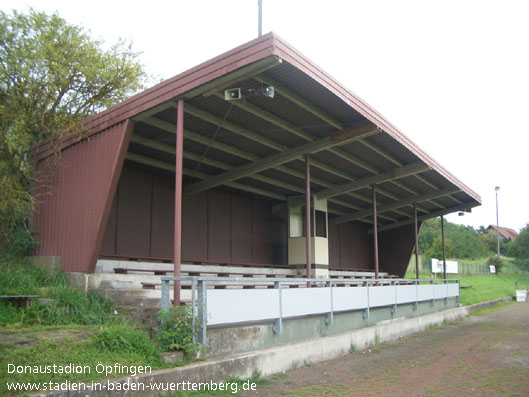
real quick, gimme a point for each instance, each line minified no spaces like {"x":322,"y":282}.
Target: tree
{"x":519,"y":248}
{"x":52,"y":76}
{"x":466,"y":241}
{"x":436,"y":250}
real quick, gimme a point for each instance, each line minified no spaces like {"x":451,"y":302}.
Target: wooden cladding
{"x":216,"y":226}
{"x":349,"y":246}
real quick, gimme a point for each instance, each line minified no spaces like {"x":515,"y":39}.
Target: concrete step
{"x":138,"y":297}
{"x":144,"y":315}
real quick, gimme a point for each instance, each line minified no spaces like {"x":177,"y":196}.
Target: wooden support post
{"x":178,"y":199}
{"x":416,"y":241}
{"x":308,"y":233}
{"x":443,"y":243}
{"x":375,"y":233}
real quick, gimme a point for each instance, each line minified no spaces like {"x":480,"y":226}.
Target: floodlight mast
{"x":260,"y":17}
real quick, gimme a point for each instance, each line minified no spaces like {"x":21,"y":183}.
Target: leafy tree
{"x":519,"y":248}
{"x":436,"y":250}
{"x":52,"y":76}
{"x":464,"y":239}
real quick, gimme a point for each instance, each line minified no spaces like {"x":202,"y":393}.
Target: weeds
{"x":176,"y":330}
{"x":68,"y":305}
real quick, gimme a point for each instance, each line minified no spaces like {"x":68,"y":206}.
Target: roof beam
{"x":191,"y":135}
{"x":282,"y":158}
{"x":170,"y":167}
{"x":289,"y":127}
{"x":449,"y":210}
{"x":392,"y":206}
{"x":203,"y":115}
{"x":211,"y":162}
{"x":211,"y":118}
{"x":393,"y":174}
{"x":303,"y":103}
{"x":265,"y":115}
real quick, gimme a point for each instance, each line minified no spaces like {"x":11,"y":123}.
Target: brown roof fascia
{"x":294,"y":57}
{"x":219,"y":66}
{"x":253,"y":51}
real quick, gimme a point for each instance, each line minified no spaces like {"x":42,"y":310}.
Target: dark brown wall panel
{"x":74,"y":198}
{"x":345,"y":249}
{"x":359,"y":246}
{"x":195,"y":227}
{"x":260,"y":232}
{"x":134,"y":213}
{"x":334,"y":246}
{"x":219,"y":228}
{"x":395,"y":249}
{"x":349,"y":245}
{"x":109,"y":240}
{"x":241,"y":229}
{"x":216,"y":226}
{"x":279,"y":238}
{"x":162,"y":229}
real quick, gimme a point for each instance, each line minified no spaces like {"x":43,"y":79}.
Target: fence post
{"x":278,"y":323}
{"x":394,"y":307}
{"x":166,"y":299}
{"x":366,"y":310}
{"x":202,"y":311}
{"x":330,"y":317}
{"x":193,"y":310}
{"x":433,"y":292}
{"x":416,"y":303}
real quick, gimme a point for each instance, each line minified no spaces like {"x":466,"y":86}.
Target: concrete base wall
{"x":244,"y":338}
{"x":277,"y":359}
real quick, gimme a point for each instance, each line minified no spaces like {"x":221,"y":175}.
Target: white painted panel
{"x":381,"y":295}
{"x":238,"y":305}
{"x":453,"y":289}
{"x":303,"y":301}
{"x":406,"y":293}
{"x":440,"y":291}
{"x":425,"y":292}
{"x":349,"y":298}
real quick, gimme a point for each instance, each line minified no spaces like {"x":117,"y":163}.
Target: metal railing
{"x":236,"y":305}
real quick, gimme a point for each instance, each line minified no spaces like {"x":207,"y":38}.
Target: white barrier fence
{"x":231,"y":306}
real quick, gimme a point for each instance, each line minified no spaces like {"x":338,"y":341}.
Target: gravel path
{"x":482,"y":355}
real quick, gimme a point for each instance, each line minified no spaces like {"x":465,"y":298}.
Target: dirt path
{"x":483,"y":355}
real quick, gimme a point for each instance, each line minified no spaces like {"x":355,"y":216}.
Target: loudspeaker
{"x":232,"y":94}
{"x":267,"y":90}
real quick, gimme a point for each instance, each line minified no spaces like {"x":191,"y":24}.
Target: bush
{"x":176,"y":330}
{"x":495,"y":261}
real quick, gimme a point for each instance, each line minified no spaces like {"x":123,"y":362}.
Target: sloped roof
{"x":505,"y":232}
{"x":257,"y":144}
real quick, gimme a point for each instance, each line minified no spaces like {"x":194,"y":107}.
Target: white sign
{"x":451,"y":266}
{"x":492,"y":268}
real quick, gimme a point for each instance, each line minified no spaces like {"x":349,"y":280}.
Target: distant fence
{"x":425,"y":267}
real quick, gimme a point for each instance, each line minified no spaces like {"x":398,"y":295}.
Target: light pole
{"x":497,"y":188}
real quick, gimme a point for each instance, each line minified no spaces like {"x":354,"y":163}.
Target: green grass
{"x":115,"y":343}
{"x":68,"y":305}
{"x":487,"y":287}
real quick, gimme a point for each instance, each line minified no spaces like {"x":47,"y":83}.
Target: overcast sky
{"x":451,"y":75}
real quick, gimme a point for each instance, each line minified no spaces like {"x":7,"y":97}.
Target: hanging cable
{"x":209,"y":144}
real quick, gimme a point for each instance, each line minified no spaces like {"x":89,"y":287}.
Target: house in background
{"x":506,"y":233}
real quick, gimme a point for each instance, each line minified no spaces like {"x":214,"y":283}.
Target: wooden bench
{"x":19,"y":299}
{"x":157,"y":272}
